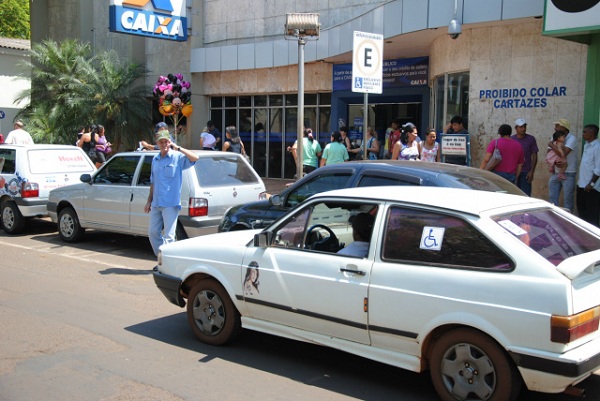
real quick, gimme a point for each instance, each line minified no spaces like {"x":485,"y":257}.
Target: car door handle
{"x":353,"y":271}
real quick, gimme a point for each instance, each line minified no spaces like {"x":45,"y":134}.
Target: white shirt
{"x":571,"y":143}
{"x":19,"y":137}
{"x":590,"y":164}
{"x":356,"y":248}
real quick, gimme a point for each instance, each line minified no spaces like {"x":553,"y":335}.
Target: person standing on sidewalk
{"x":164,"y":199}
{"x":588,"y":187}
{"x":555,"y":184}
{"x":530,"y":151}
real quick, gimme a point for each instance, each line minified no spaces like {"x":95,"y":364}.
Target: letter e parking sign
{"x":367,"y":63}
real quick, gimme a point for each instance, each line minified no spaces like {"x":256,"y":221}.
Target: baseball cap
{"x":160,"y":126}
{"x":519,"y":122}
{"x":164,"y":134}
{"x":563,"y":122}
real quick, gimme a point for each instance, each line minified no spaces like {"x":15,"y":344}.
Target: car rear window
{"x":219,"y":170}
{"x":427,"y":237}
{"x":551,"y":235}
{"x":49,"y":161}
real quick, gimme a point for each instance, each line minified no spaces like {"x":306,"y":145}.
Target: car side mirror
{"x":263,"y":239}
{"x":275,"y":200}
{"x":86,"y":178}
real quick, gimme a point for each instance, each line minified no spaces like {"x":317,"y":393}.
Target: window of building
{"x":451,"y":98}
{"x":268,"y":124}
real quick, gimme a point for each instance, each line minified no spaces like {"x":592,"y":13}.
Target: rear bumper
{"x":32,"y":207}
{"x":195,"y":226}
{"x":169,"y":286}
{"x":552,"y":373}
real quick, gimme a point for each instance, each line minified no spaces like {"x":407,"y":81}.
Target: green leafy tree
{"x":14,"y":19}
{"x":70,"y":88}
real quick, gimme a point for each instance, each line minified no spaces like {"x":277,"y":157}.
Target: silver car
{"x":113,"y":198}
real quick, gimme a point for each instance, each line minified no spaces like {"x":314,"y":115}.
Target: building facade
{"x":505,"y":65}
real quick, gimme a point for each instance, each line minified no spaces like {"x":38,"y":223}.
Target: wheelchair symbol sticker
{"x":432,"y":238}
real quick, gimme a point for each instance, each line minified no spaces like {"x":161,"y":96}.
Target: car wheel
{"x":468,"y":365}
{"x":69,"y":229}
{"x":13,"y":221}
{"x":211,"y":313}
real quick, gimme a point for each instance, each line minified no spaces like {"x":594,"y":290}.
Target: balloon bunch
{"x":174,"y":97}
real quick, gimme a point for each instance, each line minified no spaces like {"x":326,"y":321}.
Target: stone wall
{"x":516,"y":56}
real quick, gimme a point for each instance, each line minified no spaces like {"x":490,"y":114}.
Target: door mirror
{"x":275,"y":200}
{"x":86,"y":178}
{"x":263,"y":239}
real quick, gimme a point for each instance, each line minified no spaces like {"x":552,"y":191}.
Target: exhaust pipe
{"x":574,"y":391}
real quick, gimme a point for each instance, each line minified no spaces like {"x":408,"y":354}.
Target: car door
{"x":317,"y":290}
{"x":107,"y":200}
{"x":140,"y":190}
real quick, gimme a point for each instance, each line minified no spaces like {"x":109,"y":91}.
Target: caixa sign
{"x":162,"y":19}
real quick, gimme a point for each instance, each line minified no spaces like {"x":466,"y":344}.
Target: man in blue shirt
{"x":164,"y":200}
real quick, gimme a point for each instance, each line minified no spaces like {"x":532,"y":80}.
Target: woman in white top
{"x":407,"y":148}
{"x":430,"y":149}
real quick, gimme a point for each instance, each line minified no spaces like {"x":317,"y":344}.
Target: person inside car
{"x":362,"y":225}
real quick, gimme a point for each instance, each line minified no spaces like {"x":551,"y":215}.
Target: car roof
{"x":459,"y":199}
{"x":200,"y":153}
{"x":37,"y":146}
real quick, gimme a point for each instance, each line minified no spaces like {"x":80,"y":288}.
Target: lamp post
{"x":301,"y":26}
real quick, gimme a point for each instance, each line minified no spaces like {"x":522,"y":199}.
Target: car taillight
{"x":30,"y":190}
{"x":263,"y":196}
{"x":565,"y":329}
{"x":198,"y":207}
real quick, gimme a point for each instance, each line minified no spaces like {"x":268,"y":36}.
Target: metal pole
{"x":300,"y":134}
{"x":365,"y":125}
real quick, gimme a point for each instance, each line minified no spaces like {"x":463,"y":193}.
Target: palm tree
{"x":120,"y":99}
{"x":69,"y":88}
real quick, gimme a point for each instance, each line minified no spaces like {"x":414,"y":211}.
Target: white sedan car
{"x":487,"y":291}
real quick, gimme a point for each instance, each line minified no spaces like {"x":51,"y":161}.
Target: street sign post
{"x":367,"y":72}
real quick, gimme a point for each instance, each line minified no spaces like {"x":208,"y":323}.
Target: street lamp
{"x":301,"y":26}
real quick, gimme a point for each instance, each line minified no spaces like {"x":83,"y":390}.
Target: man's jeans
{"x":507,"y":176}
{"x":163,"y":224}
{"x":568,"y":187}
{"x":523,"y":183}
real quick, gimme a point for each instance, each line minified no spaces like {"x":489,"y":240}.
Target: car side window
{"x":376,"y":181}
{"x":427,"y":237}
{"x":144,"y":178}
{"x":291,"y":234}
{"x":119,"y":171}
{"x":9,"y":165}
{"x":321,"y":183}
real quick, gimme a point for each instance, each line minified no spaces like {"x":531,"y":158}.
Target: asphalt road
{"x":86,"y":322}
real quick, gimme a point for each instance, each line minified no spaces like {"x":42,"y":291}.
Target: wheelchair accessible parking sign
{"x":432,"y":237}
{"x":367,"y":63}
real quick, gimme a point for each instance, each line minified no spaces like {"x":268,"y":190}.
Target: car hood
{"x":227,"y":240}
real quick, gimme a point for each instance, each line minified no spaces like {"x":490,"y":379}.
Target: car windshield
{"x":221,"y":170}
{"x":549,"y":234}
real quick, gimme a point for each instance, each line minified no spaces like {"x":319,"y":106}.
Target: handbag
{"x":495,"y":159}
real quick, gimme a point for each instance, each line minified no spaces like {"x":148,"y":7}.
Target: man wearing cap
{"x":159,"y":127}
{"x":588,"y":185}
{"x":164,"y":199}
{"x":567,"y":185}
{"x":530,"y":151}
{"x":19,"y":136}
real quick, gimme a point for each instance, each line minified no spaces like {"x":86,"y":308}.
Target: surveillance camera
{"x":454,"y":29}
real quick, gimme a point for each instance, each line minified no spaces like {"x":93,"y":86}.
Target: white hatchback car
{"x":485,"y":290}
{"x":28,"y":173}
{"x":113,"y":198}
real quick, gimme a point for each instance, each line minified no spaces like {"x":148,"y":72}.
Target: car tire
{"x":180,"y":233}
{"x":12,"y":220}
{"x":466,"y":364}
{"x":69,"y":228}
{"x":212,"y":315}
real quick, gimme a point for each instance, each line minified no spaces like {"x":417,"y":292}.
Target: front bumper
{"x":169,"y":286}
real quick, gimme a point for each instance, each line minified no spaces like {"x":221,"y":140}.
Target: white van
{"x":28,"y":173}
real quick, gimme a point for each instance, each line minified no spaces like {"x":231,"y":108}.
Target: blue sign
{"x":398,"y":73}
{"x":2,"y":114}
{"x":162,"y":19}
